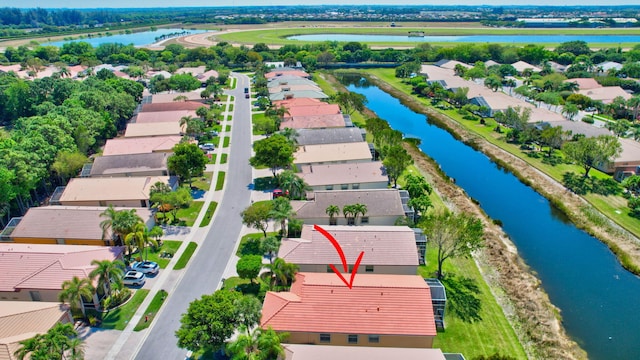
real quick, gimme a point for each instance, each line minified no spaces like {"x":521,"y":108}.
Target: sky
{"x":187,"y":3}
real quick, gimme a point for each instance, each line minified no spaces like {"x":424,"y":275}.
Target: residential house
{"x":155,"y":129}
{"x":321,"y":352}
{"x":70,"y":225}
{"x":289,"y":94}
{"x":384,"y":207}
{"x":21,"y":320}
{"x":150,"y":164}
{"x":141,"y":145}
{"x":289,"y":103}
{"x":387,"y":249}
{"x":279,"y":81}
{"x":606,"y":94}
{"x":332,"y":154}
{"x":30,"y":272}
{"x":312,"y":110}
{"x":162,"y":116}
{"x":313,"y":122}
{"x":627,"y":163}
{"x":451,"y":64}
{"x":171,"y":106}
{"x":280,"y":72}
{"x":117,"y":191}
{"x":490,"y":63}
{"x":277,"y":87}
{"x":585,"y":83}
{"x":609,"y":65}
{"x":329,"y":136}
{"x":351,"y":176}
{"x":378,"y":310}
{"x":522,"y":66}
{"x":170,"y":97}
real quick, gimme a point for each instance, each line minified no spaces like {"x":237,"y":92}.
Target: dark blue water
{"x":137,"y":39}
{"x":599,"y":300}
{"x":516,"y":39}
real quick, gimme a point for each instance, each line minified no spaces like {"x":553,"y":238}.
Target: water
{"x":516,"y":39}
{"x":137,"y":39}
{"x":597,"y":297}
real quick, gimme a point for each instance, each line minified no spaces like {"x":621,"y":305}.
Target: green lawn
{"x":225,"y":143}
{"x":202,"y":182}
{"x":223,"y":158}
{"x":186,"y":216}
{"x":493,"y":334}
{"x":186,"y":255}
{"x":119,"y":318}
{"x":212,"y":160}
{"x":257,"y":119}
{"x":228,"y":128}
{"x":151,"y":311}
{"x":220,"y":182}
{"x":229,"y":117}
{"x":210,"y":211}
{"x":233,"y":83}
{"x":169,"y":246}
{"x":230,"y":108}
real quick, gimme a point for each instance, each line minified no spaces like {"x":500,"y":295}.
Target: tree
{"x":281,"y":210}
{"x":280,"y":273}
{"x":274,"y":152}
{"x":209,"y":321}
{"x":493,"y":82}
{"x":332,"y":211}
{"x":349,"y":214}
{"x":416,"y":185}
{"x":632,"y":184}
{"x":67,"y":164}
{"x":74,"y":291}
{"x":270,"y":245}
{"x":453,"y":235}
{"x":396,"y":161}
{"x":257,"y":216}
{"x":292,"y":184}
{"x":107,"y":272}
{"x":350,"y":102}
{"x":187,"y":161}
{"x":553,"y":137}
{"x":59,"y":342}
{"x":589,"y":152}
{"x":420,"y":205}
{"x":120,"y":222}
{"x":248,"y":310}
{"x":570,"y":110}
{"x":358,"y":209}
{"x":194,"y":127}
{"x":248,"y":267}
{"x":140,"y":237}
{"x":258,"y":344}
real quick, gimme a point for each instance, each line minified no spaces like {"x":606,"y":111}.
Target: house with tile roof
{"x":35,"y":272}
{"x":321,"y":352}
{"x":332,"y":154}
{"x":282,"y":95}
{"x":70,"y":225}
{"x":387,"y":249}
{"x":606,"y":94}
{"x":521,"y":66}
{"x":289,"y":103}
{"x":309,"y":110}
{"x":162,"y":116}
{"x":171,"y":106}
{"x":278,"y":82}
{"x":379,"y":310}
{"x":21,"y":320}
{"x":172,"y":128}
{"x":280,"y":72}
{"x":169,"y":97}
{"x":116,"y":191}
{"x":351,"y":176}
{"x":141,"y":145}
{"x":313,"y":122}
{"x":151,"y":164}
{"x":585,"y":83}
{"x":384,"y":206}
{"x":329,"y":136}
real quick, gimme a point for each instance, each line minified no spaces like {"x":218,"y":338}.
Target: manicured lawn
{"x":186,"y":216}
{"x":257,"y":119}
{"x":258,"y":235}
{"x":186,"y":255}
{"x":223,"y":158}
{"x":228,"y":128}
{"x":232,"y":83}
{"x":212,"y":159}
{"x":492,"y":334}
{"x":210,"y":211}
{"x":120,"y":317}
{"x":168,"y":246}
{"x":220,"y":182}
{"x":203,"y":182}
{"x":225,"y":143}
{"x":229,"y":117}
{"x":151,"y":311}
{"x":230,"y":107}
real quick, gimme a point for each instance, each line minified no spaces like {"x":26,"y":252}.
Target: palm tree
{"x":292,"y":184}
{"x":332,"y":211}
{"x":290,"y":134}
{"x":74,"y":291}
{"x":76,"y":349}
{"x":570,"y":110}
{"x":245,"y":347}
{"x":349,"y":213}
{"x":269,"y":344}
{"x":359,"y":209}
{"x":194,"y":126}
{"x":281,"y":211}
{"x":60,"y":339}
{"x":280,"y":273}
{"x":634,"y":103}
{"x":270,"y":245}
{"x":120,"y":222}
{"x":107,"y":271}
{"x":139,"y":238}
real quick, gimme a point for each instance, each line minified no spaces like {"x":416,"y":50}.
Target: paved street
{"x":205,"y":270}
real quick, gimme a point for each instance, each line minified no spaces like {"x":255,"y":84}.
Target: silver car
{"x":133,"y":278}
{"x":146,"y":267}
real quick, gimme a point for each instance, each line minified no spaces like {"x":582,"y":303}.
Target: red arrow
{"x":336,"y":245}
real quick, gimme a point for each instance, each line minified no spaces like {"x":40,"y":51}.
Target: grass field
{"x":186,"y":255}
{"x":151,"y":311}
{"x":210,"y":211}
{"x":223,"y":158}
{"x":170,"y":246}
{"x":119,"y":318}
{"x":203,"y":182}
{"x":187,"y":216}
{"x":220,"y":182}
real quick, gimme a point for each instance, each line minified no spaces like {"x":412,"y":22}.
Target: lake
{"x":516,"y":39}
{"x":137,"y":39}
{"x":597,"y":297}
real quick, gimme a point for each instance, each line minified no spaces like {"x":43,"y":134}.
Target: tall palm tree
{"x":74,"y":290}
{"x":359,"y":209}
{"x":106,"y":272}
{"x":269,"y":344}
{"x":280,"y":273}
{"x":139,"y":238}
{"x":349,"y":212}
{"x":245,"y":347}
{"x":60,"y":342}
{"x":120,"y":222}
{"x":332,"y":211}
{"x":293,"y":184}
{"x":281,"y":210}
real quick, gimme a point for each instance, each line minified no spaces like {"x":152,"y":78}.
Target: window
{"x":333,"y":221}
{"x":351,"y":221}
{"x":355,"y":186}
{"x":35,"y":295}
{"x":60,"y":241}
{"x":143,"y":203}
{"x":374,"y":339}
{"x":328,"y":187}
{"x":368,"y":268}
{"x":344,"y":186}
{"x":325,"y":338}
{"x":329,"y":269}
{"x":364,"y":220}
{"x":352,"y":339}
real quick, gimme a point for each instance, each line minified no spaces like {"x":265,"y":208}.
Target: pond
{"x":515,"y":39}
{"x":598,"y":299}
{"x":137,"y":39}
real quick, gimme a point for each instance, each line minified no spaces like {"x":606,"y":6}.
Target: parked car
{"x":247,"y":96}
{"x":246,"y":90}
{"x":207,"y":146}
{"x":146,"y":267}
{"x":133,"y":278}
{"x":213,"y":133}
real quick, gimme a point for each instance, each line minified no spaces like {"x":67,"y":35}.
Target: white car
{"x":207,"y":146}
{"x":133,"y":278}
{"x":146,"y":267}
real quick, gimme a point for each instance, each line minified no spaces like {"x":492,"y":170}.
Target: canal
{"x":598,"y":299}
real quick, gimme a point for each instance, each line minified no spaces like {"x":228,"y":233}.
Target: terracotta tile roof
{"x":351,"y":173}
{"x":171,"y":106}
{"x":34,"y":266}
{"x":110,"y":189}
{"x":308,"y":110}
{"x":143,"y":145}
{"x":129,"y":164}
{"x":168,"y":97}
{"x":324,"y":352}
{"x":154,"y":129}
{"x":606,"y":94}
{"x":66,"y":222}
{"x":585,"y":83}
{"x":286,"y":72}
{"x":310,"y":154}
{"x":379,"y":202}
{"x":21,"y":320}
{"x":382,"y":245}
{"x":376,"y":304}
{"x":163,"y":116}
{"x":297,"y":102}
{"x":313,"y":122}
{"x":329,"y":136}
{"x":523,"y":65}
